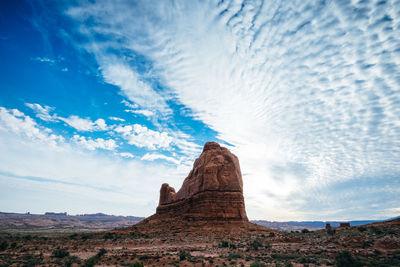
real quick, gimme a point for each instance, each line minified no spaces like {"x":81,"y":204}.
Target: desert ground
{"x":376,"y":244}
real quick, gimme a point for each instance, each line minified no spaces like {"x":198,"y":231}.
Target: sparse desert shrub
{"x":362,"y":229}
{"x":69,"y":260}
{"x":101,"y":252}
{"x":223,"y":244}
{"x":375,"y":230}
{"x":377,"y":252}
{"x":3,"y":245}
{"x":108,"y":236}
{"x":133,"y":264}
{"x":331,"y":232}
{"x":183,"y":255}
{"x":305,"y":231}
{"x":90,"y":262}
{"x":232,"y":246}
{"x":27,"y":237}
{"x":257,"y":264}
{"x":255,"y":245}
{"x":267,"y":245}
{"x":345,"y":259}
{"x":32,"y":260}
{"x":279,"y":256}
{"x":235,"y":256}
{"x":60,"y":253}
{"x":368,"y":243}
{"x":145,"y":257}
{"x":271,"y":234}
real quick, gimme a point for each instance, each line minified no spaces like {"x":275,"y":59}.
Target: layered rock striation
{"x":213,"y":190}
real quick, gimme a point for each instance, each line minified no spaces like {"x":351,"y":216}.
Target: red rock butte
{"x":211,"y":196}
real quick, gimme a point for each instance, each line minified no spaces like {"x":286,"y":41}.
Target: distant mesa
{"x":210,"y":196}
{"x":55,"y":214}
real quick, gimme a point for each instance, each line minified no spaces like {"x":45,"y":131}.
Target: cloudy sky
{"x":103,"y":101}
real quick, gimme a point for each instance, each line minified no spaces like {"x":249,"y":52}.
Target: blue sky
{"x":103,"y":101}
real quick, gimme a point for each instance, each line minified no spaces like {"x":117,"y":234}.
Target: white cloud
{"x":116,"y":119}
{"x":141,"y":136}
{"x":129,"y":105}
{"x":93,"y":144}
{"x":126,"y":155}
{"x":155,"y":156}
{"x":85,"y":124}
{"x":44,"y":59}
{"x":306,"y":93}
{"x":18,"y":123}
{"x":143,"y":112}
{"x":42,"y":112}
{"x":81,"y":124}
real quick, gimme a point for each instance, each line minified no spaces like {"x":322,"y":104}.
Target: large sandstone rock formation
{"x":211,"y":198}
{"x":213,"y":189}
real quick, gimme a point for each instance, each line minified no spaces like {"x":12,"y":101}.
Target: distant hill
{"x":62,"y":222}
{"x":310,"y":225}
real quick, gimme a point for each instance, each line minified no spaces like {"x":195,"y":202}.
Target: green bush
{"x":60,"y":253}
{"x":271,"y":234}
{"x":331,"y":232}
{"x":3,"y":245}
{"x":90,"y":262}
{"x":235,"y":256}
{"x":375,"y":230}
{"x":144,"y":257}
{"x":108,"y":236}
{"x":305,"y":231}
{"x":345,"y":259}
{"x":224,"y":244}
{"x":101,"y":252}
{"x":255,"y":245}
{"x":362,"y":229}
{"x":183,"y":255}
{"x":69,"y":260}
{"x":131,"y":264}
{"x":257,"y":264}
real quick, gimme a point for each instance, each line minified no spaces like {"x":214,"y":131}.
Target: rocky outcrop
{"x":213,"y":189}
{"x":210,"y":200}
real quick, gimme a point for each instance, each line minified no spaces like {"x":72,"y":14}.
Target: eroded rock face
{"x":213,"y":189}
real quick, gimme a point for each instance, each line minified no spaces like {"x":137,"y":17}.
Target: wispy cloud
{"x":155,"y":156}
{"x":314,"y":84}
{"x":134,"y":87}
{"x":45,"y":59}
{"x":42,"y":112}
{"x":143,"y":112}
